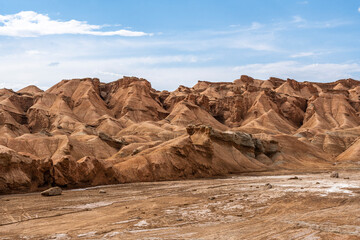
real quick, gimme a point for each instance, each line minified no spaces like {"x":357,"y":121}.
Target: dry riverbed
{"x":314,"y":206}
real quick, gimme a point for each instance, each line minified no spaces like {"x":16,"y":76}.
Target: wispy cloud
{"x":253,"y":26}
{"x":34,"y":52}
{"x":253,"y":45}
{"x":45,"y":70}
{"x":255,"y":36}
{"x":323,"y":72}
{"x":303,"y":54}
{"x":32,"y":24}
{"x":53,"y":64}
{"x":166,"y":60}
{"x":298,"y":22}
{"x":112,"y":74}
{"x":359,"y":9}
{"x":22,"y":72}
{"x":321,"y":24}
{"x":298,"y":19}
{"x":311,"y":53}
{"x":153,"y":60}
{"x":159,"y":70}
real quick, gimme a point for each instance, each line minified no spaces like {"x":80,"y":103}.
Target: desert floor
{"x":314,"y":206}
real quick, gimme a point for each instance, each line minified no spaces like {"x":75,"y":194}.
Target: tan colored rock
{"x":82,"y":132}
{"x":334,"y":175}
{"x":54,"y":191}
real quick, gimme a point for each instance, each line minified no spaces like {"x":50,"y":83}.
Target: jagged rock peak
{"x":85,"y":132}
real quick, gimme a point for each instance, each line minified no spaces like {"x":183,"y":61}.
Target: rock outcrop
{"x":54,"y":191}
{"x":83,"y":132}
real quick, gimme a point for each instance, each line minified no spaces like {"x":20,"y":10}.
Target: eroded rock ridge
{"x":83,"y":132}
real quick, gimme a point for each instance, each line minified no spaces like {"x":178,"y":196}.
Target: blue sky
{"x":173,"y":43}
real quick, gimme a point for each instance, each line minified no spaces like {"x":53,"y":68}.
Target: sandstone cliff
{"x":82,"y":132}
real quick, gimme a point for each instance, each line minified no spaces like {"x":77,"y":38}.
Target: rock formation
{"x":83,"y":132}
{"x":54,"y":191}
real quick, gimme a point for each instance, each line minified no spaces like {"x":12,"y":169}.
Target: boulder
{"x":54,"y":191}
{"x":334,"y":175}
{"x":294,"y":178}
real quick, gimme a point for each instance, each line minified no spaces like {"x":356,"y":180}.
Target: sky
{"x":172,"y":43}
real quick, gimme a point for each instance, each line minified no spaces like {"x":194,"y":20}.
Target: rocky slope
{"x":83,"y":132}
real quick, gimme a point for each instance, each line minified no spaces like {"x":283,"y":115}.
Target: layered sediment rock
{"x":82,"y":132}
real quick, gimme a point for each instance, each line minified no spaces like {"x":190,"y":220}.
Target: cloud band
{"x":32,"y":24}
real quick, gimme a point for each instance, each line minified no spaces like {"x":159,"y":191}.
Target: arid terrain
{"x":313,"y":206}
{"x":214,"y":161}
{"x":82,"y":132}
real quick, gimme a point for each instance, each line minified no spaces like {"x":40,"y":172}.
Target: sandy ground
{"x":314,"y":206}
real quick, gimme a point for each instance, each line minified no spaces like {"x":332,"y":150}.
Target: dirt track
{"x":238,"y":207}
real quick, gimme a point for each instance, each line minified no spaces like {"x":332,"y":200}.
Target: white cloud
{"x":253,"y":26}
{"x":32,"y":24}
{"x":153,"y":60}
{"x":257,"y":46}
{"x":302,"y":23}
{"x":53,"y":64}
{"x":42,"y":62}
{"x":163,"y":78}
{"x":34,"y":52}
{"x":303,"y":54}
{"x":323,"y":24}
{"x":324,"y":72}
{"x":21,"y":71}
{"x":297,"y":19}
{"x":359,"y":9}
{"x":44,"y":71}
{"x":112,"y":74}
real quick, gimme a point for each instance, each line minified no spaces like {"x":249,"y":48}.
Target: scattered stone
{"x":317,"y":183}
{"x":54,"y":191}
{"x":136,"y":151}
{"x":142,"y":223}
{"x":294,"y":178}
{"x":346,"y":178}
{"x":257,"y":186}
{"x":102,"y":191}
{"x":245,"y":195}
{"x":212,"y":198}
{"x":179,"y":219}
{"x":301,"y":188}
{"x":268,"y":186}
{"x":58,"y":236}
{"x":334,"y":175}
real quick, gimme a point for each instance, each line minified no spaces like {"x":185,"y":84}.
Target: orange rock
{"x":82,"y":132}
